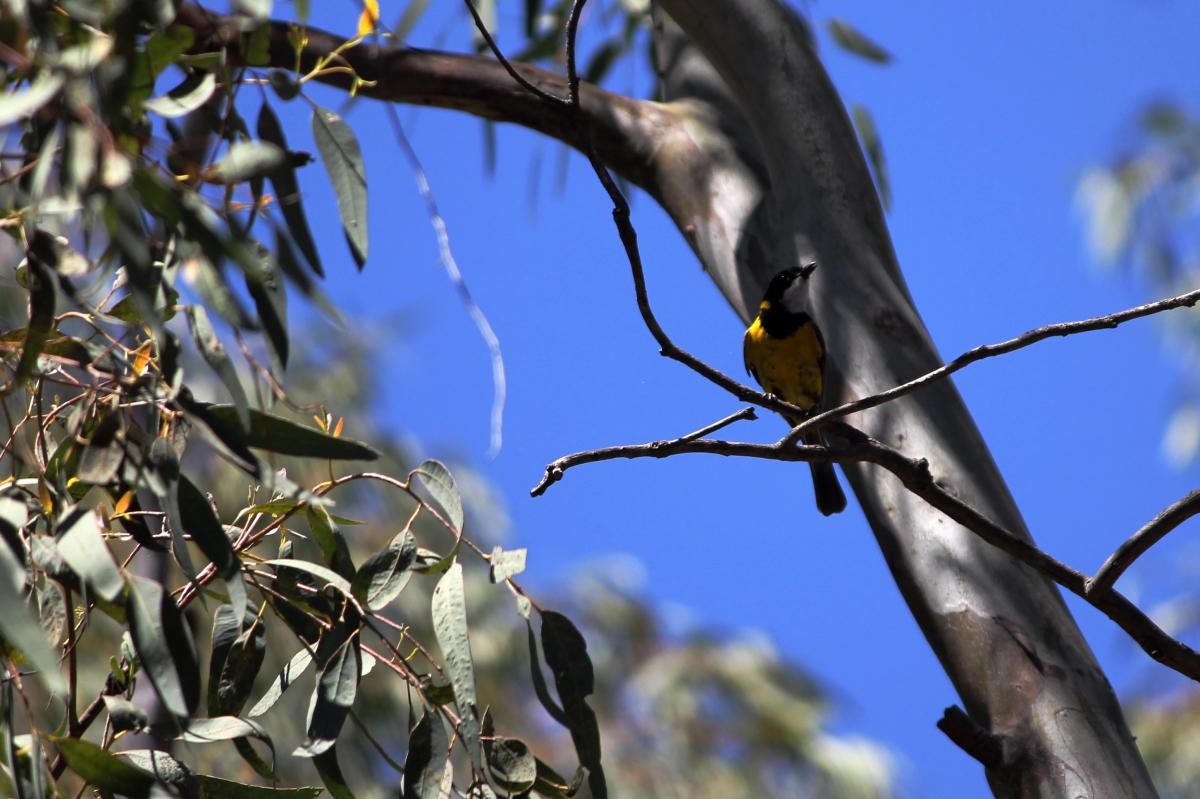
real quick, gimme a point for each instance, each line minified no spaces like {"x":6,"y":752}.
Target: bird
{"x":785,"y":354}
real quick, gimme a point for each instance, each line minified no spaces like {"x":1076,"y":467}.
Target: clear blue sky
{"x":988,"y":114}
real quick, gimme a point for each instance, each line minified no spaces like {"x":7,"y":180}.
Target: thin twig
{"x":981,"y":352}
{"x":1137,"y":544}
{"x":659,"y":449}
{"x":504,"y":62}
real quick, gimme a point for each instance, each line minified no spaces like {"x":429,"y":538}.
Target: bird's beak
{"x":808,"y":269}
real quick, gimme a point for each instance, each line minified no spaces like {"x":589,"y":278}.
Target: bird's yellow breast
{"x":788,"y":367}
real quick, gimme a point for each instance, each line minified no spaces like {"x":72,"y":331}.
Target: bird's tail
{"x":830,"y":499}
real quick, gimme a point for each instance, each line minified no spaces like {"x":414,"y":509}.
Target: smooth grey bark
{"x":789,"y":185}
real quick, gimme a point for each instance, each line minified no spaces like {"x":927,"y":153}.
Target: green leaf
{"x":203,"y":272}
{"x":512,"y":765}
{"x":217,"y":788}
{"x":383,"y":576}
{"x":224,"y":427}
{"x":175,"y":775}
{"x":331,"y":774}
{"x":41,"y":258}
{"x":286,"y":87}
{"x":343,"y":162}
{"x":229,"y":728}
{"x":853,"y":41}
{"x":17,"y":106}
{"x":329,"y":576}
{"x":103,"y":769}
{"x":287,"y":190}
{"x":14,"y":515}
{"x":267,"y":289}
{"x":552,"y":785}
{"x":337,"y":685}
{"x":602,"y":60}
{"x":506,"y":563}
{"x":533,"y":10}
{"x":101,"y":458}
{"x":246,"y":160}
{"x":221,"y":728}
{"x":255,"y":9}
{"x":163,"y":480}
{"x":283,"y":436}
{"x":202,"y":524}
{"x":82,"y":59}
{"x":238,"y":648}
{"x":330,"y":540}
{"x":193,"y":92}
{"x":441,"y":486}
{"x":449,"y":608}
{"x":290,"y":673}
{"x":52,"y":612}
{"x":575,"y":679}
{"x":81,"y":545}
{"x":427,"y":760}
{"x":162,"y":49}
{"x":125,"y":715}
{"x":872,"y":145}
{"x":412,"y":15}
{"x":164,"y":645}
{"x":218,"y":360}
{"x":19,"y":626}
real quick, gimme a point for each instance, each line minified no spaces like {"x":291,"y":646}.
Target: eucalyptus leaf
{"x":164,"y":645}
{"x":193,"y":92}
{"x":329,"y":538}
{"x":449,"y":610}
{"x":512,"y":765}
{"x":21,"y":104}
{"x":246,"y":160}
{"x":575,"y":679}
{"x":506,"y":563}
{"x":441,"y":486}
{"x":427,"y":760}
{"x":125,"y":715}
{"x":213,"y":351}
{"x":287,"y":189}
{"x":290,"y":673}
{"x":385,"y":574}
{"x":285,"y":437}
{"x":330,"y":772}
{"x":329,"y":576}
{"x":342,"y":157}
{"x":81,"y":545}
{"x":850,"y":39}
{"x":337,"y":686}
{"x":20,"y":627}
{"x":103,"y":769}
{"x":206,"y":531}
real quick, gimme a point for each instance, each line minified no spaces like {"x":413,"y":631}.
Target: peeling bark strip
{"x":757,"y":163}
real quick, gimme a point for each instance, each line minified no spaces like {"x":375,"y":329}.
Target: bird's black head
{"x":784,"y":280}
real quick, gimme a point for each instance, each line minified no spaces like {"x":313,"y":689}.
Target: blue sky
{"x":989,"y":115}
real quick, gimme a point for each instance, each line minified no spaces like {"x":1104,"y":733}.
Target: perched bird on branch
{"x":785,"y":353}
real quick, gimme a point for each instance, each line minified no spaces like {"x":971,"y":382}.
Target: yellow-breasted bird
{"x":785,"y":353}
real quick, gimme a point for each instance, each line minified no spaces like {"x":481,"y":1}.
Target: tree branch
{"x":626,"y":131}
{"x":914,"y":473}
{"x":983,"y":351}
{"x":1137,"y":544}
